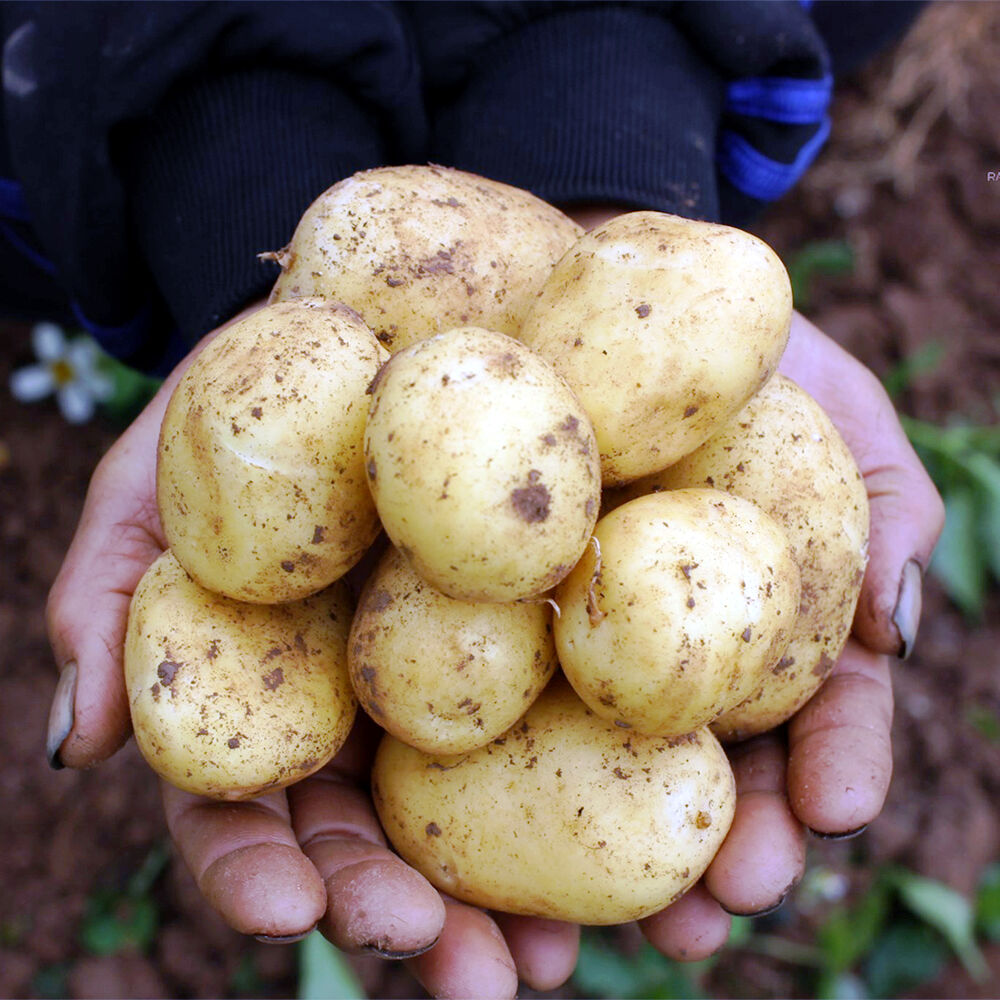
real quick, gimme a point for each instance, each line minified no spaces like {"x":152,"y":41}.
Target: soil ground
{"x":904,"y":182}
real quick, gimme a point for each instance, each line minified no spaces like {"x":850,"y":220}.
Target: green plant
{"x":123,"y":920}
{"x":324,"y":973}
{"x":829,"y":257}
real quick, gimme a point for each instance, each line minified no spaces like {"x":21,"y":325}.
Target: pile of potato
{"x":615,"y":536}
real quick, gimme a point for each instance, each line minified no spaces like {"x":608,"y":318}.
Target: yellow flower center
{"x":62,"y":372}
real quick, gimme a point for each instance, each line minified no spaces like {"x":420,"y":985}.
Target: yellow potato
{"x":442,"y":675}
{"x":232,"y":700}
{"x":483,"y":465}
{"x":664,"y":327}
{"x":260,"y":475}
{"x":689,"y":608}
{"x":421,"y":249}
{"x":783,"y":453}
{"x":566,"y":816}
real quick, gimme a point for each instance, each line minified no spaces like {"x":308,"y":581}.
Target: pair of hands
{"x":314,"y":854}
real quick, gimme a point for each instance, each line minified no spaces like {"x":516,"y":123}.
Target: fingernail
{"x":846,"y":835}
{"x":282,"y":938}
{"x":906,"y":616}
{"x":61,"y":716}
{"x":374,"y":949}
{"x":760,"y":913}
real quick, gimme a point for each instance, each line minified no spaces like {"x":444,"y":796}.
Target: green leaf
{"x":51,"y":981}
{"x":130,"y":392}
{"x":959,"y":561}
{"x":603,"y":971}
{"x":986,"y":472}
{"x":984,"y":720}
{"x":324,"y":973}
{"x":841,"y":986}
{"x":988,"y":903}
{"x":906,"y":955}
{"x":116,"y":923}
{"x":947,"y":911}
{"x":819,"y":257}
{"x":922,"y":361}
{"x":848,"y":932}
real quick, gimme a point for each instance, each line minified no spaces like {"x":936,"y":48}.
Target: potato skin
{"x":421,"y":249}
{"x":260,"y":475}
{"x":231,"y":700}
{"x":442,"y":675}
{"x":690,"y":607}
{"x":664,"y":327}
{"x":483,"y":465}
{"x":565,"y":816}
{"x":783,"y":453}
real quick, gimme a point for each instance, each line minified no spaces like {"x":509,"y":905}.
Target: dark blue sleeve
{"x":160,"y":147}
{"x":708,"y":110}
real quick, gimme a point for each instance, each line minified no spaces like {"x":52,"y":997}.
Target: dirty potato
{"x":421,"y":249}
{"x":482,"y":464}
{"x":260,"y":476}
{"x":678,"y":612}
{"x":231,"y":700}
{"x":442,"y":675}
{"x":783,"y":453}
{"x":664,"y":327}
{"x":565,"y":816}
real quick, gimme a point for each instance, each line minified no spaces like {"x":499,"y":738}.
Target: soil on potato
{"x":906,"y":182}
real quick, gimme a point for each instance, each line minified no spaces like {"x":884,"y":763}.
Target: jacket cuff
{"x":631,"y":113}
{"x":223,"y":171}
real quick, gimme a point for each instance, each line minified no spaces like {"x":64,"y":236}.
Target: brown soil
{"x":905,"y":182}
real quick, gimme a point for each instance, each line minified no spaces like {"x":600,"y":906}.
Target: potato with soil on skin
{"x":260,"y":474}
{"x":442,"y":675}
{"x":421,"y":249}
{"x":566,"y":816}
{"x":229,"y":699}
{"x":783,"y":453}
{"x":664,"y":327}
{"x":482,"y":464}
{"x":688,"y":609}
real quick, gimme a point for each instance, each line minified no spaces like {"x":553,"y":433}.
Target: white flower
{"x":68,"y":368}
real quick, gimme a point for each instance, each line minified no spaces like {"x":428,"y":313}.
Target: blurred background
{"x":893,"y":243}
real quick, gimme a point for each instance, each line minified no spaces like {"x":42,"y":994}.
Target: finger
{"x":907,"y":513}
{"x":840,"y":750}
{"x":470,"y":959}
{"x":375,"y":902}
{"x":87,"y":611}
{"x":247,"y":863}
{"x":544,"y":951}
{"x":763,"y":855}
{"x":690,"y":929}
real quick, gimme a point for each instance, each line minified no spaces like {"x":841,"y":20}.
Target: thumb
{"x":907,"y":514}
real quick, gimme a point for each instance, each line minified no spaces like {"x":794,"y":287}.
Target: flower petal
{"x":76,"y":403}
{"x":32,"y":383}
{"x":82,"y":353}
{"x":48,"y":341}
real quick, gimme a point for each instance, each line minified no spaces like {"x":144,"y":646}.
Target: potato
{"x":482,"y":464}
{"x":566,"y":816}
{"x":689,"y":608}
{"x":260,"y":476}
{"x":783,"y":453}
{"x":664,"y":327}
{"x":421,"y":249}
{"x":229,"y":699}
{"x":442,"y":675}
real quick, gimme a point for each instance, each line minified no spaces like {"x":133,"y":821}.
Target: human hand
{"x":276,"y":866}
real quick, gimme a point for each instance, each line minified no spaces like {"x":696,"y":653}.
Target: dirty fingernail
{"x":282,"y":938}
{"x":373,"y":949}
{"x":762,"y":912}
{"x":906,"y":616}
{"x":61,"y":715}
{"x":846,"y":835}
